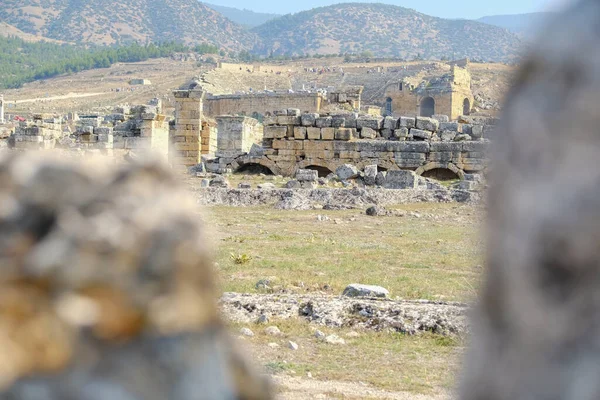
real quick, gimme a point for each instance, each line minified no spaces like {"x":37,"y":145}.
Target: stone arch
{"x":427,"y":107}
{"x":466,"y":107}
{"x":247,"y":162}
{"x":438,"y":165}
{"x":382,"y":165}
{"x":322,"y":171}
{"x":317,"y":165}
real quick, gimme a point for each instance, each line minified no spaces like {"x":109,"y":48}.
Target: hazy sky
{"x":440,"y":8}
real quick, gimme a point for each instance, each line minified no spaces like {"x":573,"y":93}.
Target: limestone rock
{"x":266,"y":186}
{"x":293,"y":184}
{"x":273,"y":331}
{"x":370,"y":175}
{"x":334,"y":339}
{"x":358,"y":290}
{"x":293,"y":345}
{"x":368,"y":133}
{"x":401,"y":179}
{"x":421,"y":134}
{"x":427,"y":124}
{"x":307,"y":175}
{"x":246,"y":332}
{"x":407,"y":122}
{"x":347,"y":171}
{"x":309,"y":119}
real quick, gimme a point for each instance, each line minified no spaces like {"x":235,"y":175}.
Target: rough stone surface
{"x":358,"y":290}
{"x":347,"y":171}
{"x":401,"y":179}
{"x":307,"y":175}
{"x":411,"y":317}
{"x":103,"y":268}
{"x":536,"y":329}
{"x":427,"y":124}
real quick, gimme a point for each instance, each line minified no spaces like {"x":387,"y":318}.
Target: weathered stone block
{"x":288,"y":120}
{"x":345,"y":134}
{"x":280,"y":112}
{"x":307,"y":175}
{"x":369,"y":122}
{"x":338,"y":122}
{"x":477,"y":131}
{"x":445,"y":146}
{"x":274,"y":132}
{"x":358,"y":290}
{"x":309,"y":119}
{"x":401,"y":179}
{"x":323,"y":122}
{"x":479,"y":146}
{"x":407,"y":122}
{"x":368,"y":133}
{"x":400,"y":133}
{"x":347,"y":171}
{"x":440,"y":118}
{"x":294,"y":112}
{"x":370,"y":174}
{"x":421,"y":134}
{"x":390,"y":123}
{"x":313,"y":133}
{"x":300,"y":132}
{"x":327,"y":133}
{"x":427,"y":124}
{"x":449,"y":126}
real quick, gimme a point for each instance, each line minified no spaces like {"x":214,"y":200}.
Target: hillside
{"x":122,"y":21}
{"x":244,"y":17}
{"x":385,"y":30}
{"x":522,"y":24}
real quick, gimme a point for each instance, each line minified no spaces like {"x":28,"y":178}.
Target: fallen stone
{"x":370,"y":175}
{"x":347,"y":171}
{"x":307,"y":175}
{"x":368,"y":133}
{"x":244,"y":185}
{"x":376,"y":211}
{"x":293,"y":184}
{"x":427,"y":124}
{"x":319,"y":335}
{"x":401,"y":179}
{"x":293,"y":345}
{"x":266,"y":186}
{"x":273,"y":331}
{"x":246,"y":332}
{"x":359,"y":290}
{"x":334,"y":339}
{"x":262,"y":319}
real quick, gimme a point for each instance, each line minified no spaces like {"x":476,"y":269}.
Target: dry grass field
{"x":432,"y":252}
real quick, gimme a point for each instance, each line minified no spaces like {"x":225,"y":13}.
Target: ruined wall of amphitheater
{"x":260,"y":103}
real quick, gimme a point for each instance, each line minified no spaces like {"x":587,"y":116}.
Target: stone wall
{"x":40,"y":133}
{"x":1,"y":110}
{"x":293,"y":141}
{"x":185,"y":144}
{"x":237,"y":135}
{"x":261,"y":103}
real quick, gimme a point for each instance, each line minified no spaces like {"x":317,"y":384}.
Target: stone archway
{"x":437,"y":165}
{"x":248,"y":163}
{"x":321,"y":167}
{"x":322,"y":171}
{"x":466,"y":107}
{"x":427,"y":108}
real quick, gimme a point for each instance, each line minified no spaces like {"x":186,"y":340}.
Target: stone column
{"x":185,"y":135}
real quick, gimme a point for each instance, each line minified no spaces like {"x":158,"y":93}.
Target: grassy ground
{"x":430,"y":253}
{"x":395,"y":362}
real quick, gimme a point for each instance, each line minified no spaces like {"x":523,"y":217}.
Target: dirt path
{"x":292,"y":388}
{"x":63,"y":97}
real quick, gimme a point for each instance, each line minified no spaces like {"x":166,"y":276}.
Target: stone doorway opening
{"x":322,"y":171}
{"x":466,"y":107}
{"x":254,"y":169}
{"x":427,"y":107}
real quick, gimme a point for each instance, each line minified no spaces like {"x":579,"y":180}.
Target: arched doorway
{"x":254,"y":169}
{"x":427,"y":107}
{"x":466,"y":107}
{"x":441,"y":174}
{"x":388,"y":107}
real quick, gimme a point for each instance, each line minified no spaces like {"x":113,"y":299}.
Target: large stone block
{"x":327,"y":133}
{"x":440,"y":118}
{"x":345,"y":134}
{"x":421,"y":134}
{"x":347,"y":171}
{"x":414,"y":147}
{"x":338,"y":122}
{"x":275,"y":132}
{"x":300,"y":132}
{"x":368,"y":133}
{"x":313,"y":133}
{"x":309,"y":119}
{"x":401,"y":179}
{"x":407,"y":122}
{"x":323,"y":122}
{"x":307,"y":175}
{"x":390,"y":123}
{"x":288,"y":120}
{"x":369,"y":122}
{"x":427,"y":124}
{"x":449,"y":126}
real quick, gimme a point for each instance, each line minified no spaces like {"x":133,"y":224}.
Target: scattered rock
{"x":244,"y":185}
{"x":273,"y":345}
{"x":246,"y":332}
{"x":262,"y":319}
{"x":267,"y":185}
{"x":273,"y":331}
{"x":352,"y":334}
{"x":293,"y":184}
{"x":319,"y":335}
{"x":376,"y":211}
{"x":307,"y":175}
{"x":334,"y":339}
{"x":293,"y":345}
{"x":359,"y":290}
{"x":347,"y":171}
